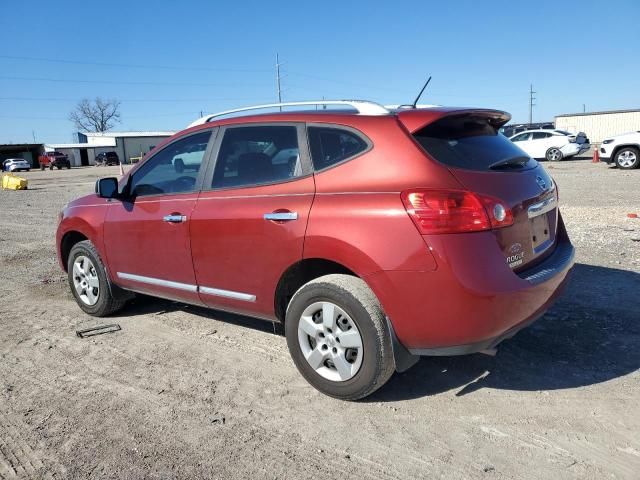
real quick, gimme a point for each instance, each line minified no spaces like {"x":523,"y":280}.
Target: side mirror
{"x":107,"y":187}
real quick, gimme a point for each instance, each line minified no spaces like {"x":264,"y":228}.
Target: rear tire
{"x":348,"y":371}
{"x":89,"y":282}
{"x":627,"y":158}
{"x":553,"y":154}
{"x":42,"y":167}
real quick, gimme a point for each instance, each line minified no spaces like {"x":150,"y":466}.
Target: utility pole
{"x":531,"y":104}
{"x":278,"y":79}
{"x":584,"y":108}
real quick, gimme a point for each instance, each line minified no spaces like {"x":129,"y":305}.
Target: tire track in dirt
{"x":17,"y":458}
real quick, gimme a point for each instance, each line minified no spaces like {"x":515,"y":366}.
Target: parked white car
{"x":15,"y":165}
{"x":623,"y":150}
{"x":554,"y":145}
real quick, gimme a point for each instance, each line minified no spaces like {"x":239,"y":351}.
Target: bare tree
{"x":96,"y":116}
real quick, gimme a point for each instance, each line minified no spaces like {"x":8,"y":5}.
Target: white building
{"x":600,"y":125}
{"x":125,"y":144}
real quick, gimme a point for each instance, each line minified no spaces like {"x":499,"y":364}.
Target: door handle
{"x":281,"y":216}
{"x":174,"y":218}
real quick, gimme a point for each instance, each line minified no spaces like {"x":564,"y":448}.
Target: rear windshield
{"x":471,"y":142}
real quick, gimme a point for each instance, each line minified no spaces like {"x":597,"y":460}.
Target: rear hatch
{"x":487,"y":163}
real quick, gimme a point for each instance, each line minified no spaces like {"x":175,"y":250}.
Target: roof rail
{"x":362,"y":106}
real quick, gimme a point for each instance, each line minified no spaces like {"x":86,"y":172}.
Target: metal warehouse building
{"x":600,"y":125}
{"x":125,"y":144}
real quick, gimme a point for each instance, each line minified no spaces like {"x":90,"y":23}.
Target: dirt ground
{"x":183,"y":392}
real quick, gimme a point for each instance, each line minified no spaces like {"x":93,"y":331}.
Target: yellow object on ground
{"x":13,"y":182}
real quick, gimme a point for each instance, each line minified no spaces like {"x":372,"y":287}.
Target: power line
{"x":142,"y":100}
{"x":111,"y":82}
{"x":131,"y":65}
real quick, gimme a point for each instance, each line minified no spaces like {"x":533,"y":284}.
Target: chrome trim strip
{"x":542,"y":207}
{"x":157,"y":281}
{"x":227,"y":293}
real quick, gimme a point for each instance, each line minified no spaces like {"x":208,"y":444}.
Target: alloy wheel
{"x":85,"y":280}
{"x":330,"y":341}
{"x":627,"y":159}
{"x":554,"y":154}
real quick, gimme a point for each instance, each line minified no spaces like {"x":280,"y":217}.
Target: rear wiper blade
{"x":510,"y":162}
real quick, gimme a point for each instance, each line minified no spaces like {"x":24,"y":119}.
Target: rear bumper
{"x":558,"y":264}
{"x":473,"y":301}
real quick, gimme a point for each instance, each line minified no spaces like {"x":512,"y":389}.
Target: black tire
{"x":107,"y":303}
{"x":69,"y":167}
{"x":353,"y":296}
{"x":42,"y":167}
{"x":59,"y":167}
{"x":627,"y":151}
{"x":553,"y":154}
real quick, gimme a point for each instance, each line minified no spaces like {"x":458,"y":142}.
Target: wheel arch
{"x":301,"y":273}
{"x":617,"y":148}
{"x":69,"y":239}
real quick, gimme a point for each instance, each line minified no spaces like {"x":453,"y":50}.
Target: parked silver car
{"x":15,"y":165}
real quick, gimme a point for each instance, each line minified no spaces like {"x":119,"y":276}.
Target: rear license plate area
{"x":540,"y":233}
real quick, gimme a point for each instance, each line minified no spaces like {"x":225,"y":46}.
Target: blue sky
{"x":166,"y":61}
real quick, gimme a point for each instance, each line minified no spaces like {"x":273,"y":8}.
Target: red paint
{"x":236,"y":249}
{"x":438,"y":289}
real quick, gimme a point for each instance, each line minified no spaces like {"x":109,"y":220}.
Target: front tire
{"x":628,"y":158}
{"x":338,"y":337}
{"x":553,"y":154}
{"x":89,"y":282}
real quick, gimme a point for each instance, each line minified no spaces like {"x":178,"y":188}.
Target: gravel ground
{"x":182,"y":392}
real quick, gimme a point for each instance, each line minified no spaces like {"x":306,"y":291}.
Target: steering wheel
{"x":183,"y":184}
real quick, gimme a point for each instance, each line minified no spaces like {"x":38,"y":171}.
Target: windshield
{"x":470,"y":142}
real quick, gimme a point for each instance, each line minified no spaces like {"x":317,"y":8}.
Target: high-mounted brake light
{"x":455,"y":211}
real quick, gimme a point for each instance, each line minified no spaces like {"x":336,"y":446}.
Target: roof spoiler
{"x":415,"y":120}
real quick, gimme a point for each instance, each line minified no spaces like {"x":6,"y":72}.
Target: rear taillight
{"x":455,"y":211}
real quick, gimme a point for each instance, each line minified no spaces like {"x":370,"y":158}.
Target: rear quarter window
{"x":469,"y":142}
{"x":330,"y":146}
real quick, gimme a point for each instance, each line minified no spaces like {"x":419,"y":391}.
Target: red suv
{"x":375,"y":235}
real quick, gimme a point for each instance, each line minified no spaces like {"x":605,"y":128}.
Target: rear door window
{"x":521,"y":138}
{"x":330,"y":145}
{"x":471,"y":142}
{"x":257,"y":155}
{"x":540,"y":135}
